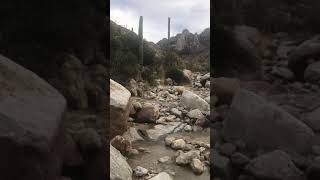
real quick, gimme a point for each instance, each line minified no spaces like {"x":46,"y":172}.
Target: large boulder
{"x":312,"y":119}
{"x":148,"y":114}
{"x":236,"y":54}
{"x":31,"y":113}
{"x":193,"y":101}
{"x":119,"y":108}
{"x":298,"y":58}
{"x":275,"y":165}
{"x":263,"y":125}
{"x":119,"y":168}
{"x":312,"y":73}
{"x":225,"y":88}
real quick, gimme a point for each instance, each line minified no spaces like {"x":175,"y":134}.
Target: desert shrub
{"x":148,"y":55}
{"x":124,"y":51}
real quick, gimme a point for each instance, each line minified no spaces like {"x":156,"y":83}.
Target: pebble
{"x":140,"y":171}
{"x":164,"y":159}
{"x":168,"y":140}
{"x":188,"y":128}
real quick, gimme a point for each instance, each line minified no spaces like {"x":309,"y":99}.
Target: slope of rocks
{"x":267,"y":128}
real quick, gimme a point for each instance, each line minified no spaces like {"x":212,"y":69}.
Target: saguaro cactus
{"x":168,"y":32}
{"x":140,"y":56}
{"x":141,"y":40}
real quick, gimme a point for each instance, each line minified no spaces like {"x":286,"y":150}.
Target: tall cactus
{"x":168,"y":32}
{"x":141,"y":40}
{"x":140,"y":34}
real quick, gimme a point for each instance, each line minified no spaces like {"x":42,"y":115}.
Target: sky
{"x":193,"y":15}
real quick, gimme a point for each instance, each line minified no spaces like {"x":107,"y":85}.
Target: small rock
{"x":185,"y":158}
{"x":168,"y":140}
{"x":227,"y":149}
{"x":188,"y":128}
{"x":165,"y":159}
{"x":133,"y":152}
{"x":195,"y":114}
{"x":176,"y":112}
{"x":197,"y":166}
{"x":188,"y":147}
{"x":178,"y":144}
{"x":137,"y":105}
{"x":121,"y":144}
{"x":140,"y":171}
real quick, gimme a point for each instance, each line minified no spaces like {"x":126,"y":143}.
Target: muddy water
{"x":158,"y":150}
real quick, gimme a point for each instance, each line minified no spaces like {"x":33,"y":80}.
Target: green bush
{"x":124,"y":51}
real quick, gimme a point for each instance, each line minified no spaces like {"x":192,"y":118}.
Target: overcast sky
{"x":193,"y":15}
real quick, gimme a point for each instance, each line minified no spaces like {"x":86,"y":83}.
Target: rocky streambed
{"x":169,"y":134}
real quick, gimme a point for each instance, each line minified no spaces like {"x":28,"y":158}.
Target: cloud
{"x":193,"y":15}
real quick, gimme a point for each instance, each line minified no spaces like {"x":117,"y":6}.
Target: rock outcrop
{"x":31,"y":113}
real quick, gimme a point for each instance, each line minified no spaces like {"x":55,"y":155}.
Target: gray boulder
{"x":31,"y":113}
{"x":263,"y":125}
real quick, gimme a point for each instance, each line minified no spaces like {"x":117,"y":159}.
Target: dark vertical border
{"x":107,"y":50}
{"x":212,"y":27}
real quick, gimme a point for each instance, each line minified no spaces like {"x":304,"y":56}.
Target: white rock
{"x":119,"y":168}
{"x":197,"y":166}
{"x":164,"y":159}
{"x":168,"y":140}
{"x":195,"y":114}
{"x":188,"y":128}
{"x":162,"y":176}
{"x":178,"y":144}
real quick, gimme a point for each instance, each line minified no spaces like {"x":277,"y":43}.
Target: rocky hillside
{"x":194,"y":49}
{"x":189,"y":51}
